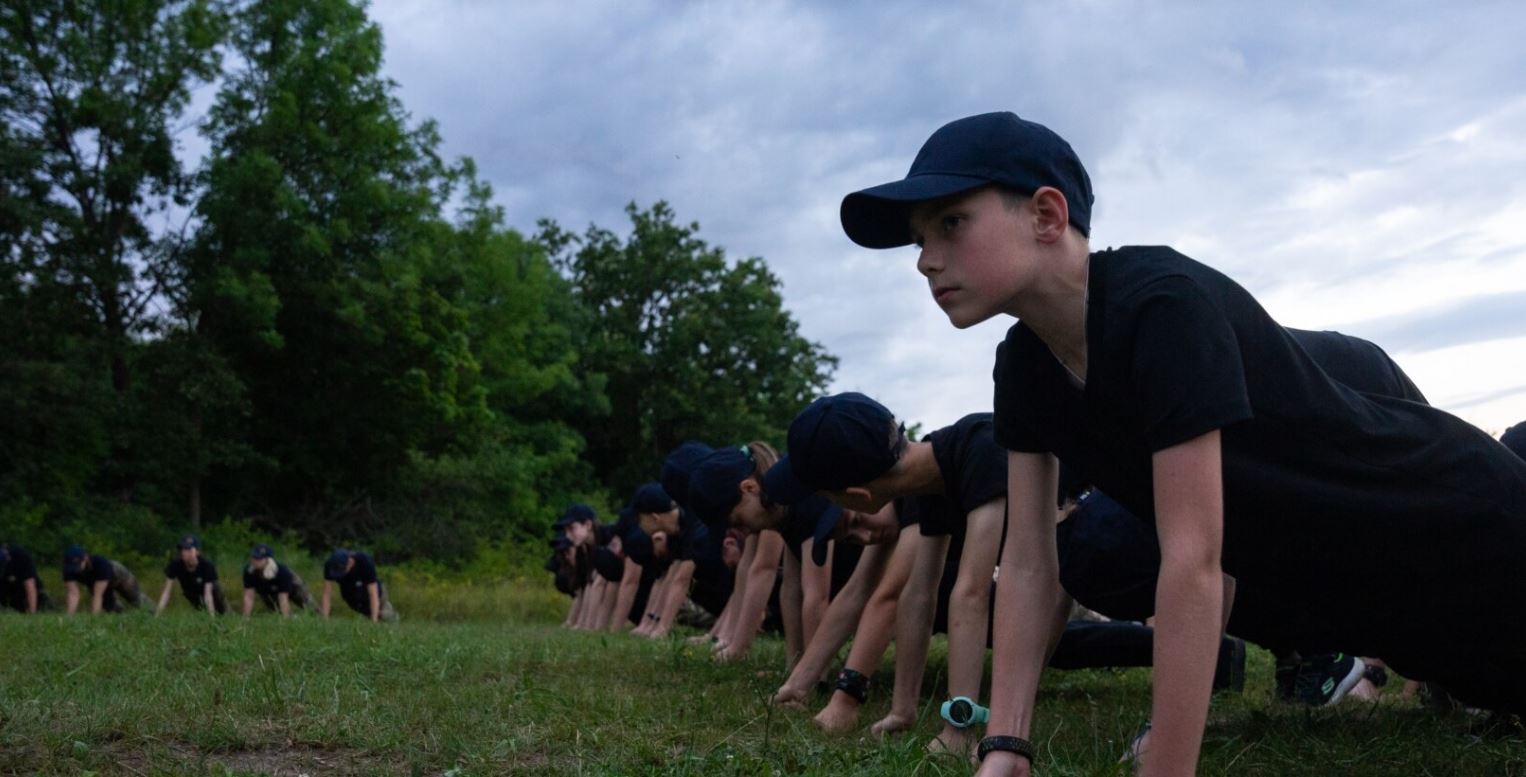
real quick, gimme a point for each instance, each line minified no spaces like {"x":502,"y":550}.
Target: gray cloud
{"x":1477,"y":319}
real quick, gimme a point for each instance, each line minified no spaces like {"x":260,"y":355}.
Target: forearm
{"x":760,"y":586}
{"x":816,"y":588}
{"x":31,"y":595}
{"x":208,"y":600}
{"x":71,"y":598}
{"x":1189,"y":604}
{"x":913,"y":633}
{"x":836,"y":626}
{"x":789,"y":607}
{"x":323,"y":605}
{"x":164,"y":596}
{"x":98,"y":597}
{"x":285,"y":601}
{"x":248,"y":602}
{"x":574,"y":609}
{"x":374,"y":593}
{"x":678,"y":590}
{"x":630,"y":584}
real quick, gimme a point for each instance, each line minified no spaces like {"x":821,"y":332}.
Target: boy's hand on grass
{"x":1000,"y":763}
{"x":700,"y":639}
{"x":894,"y":723}
{"x":794,"y":698}
{"x":727,"y":654}
{"x":840,"y":714}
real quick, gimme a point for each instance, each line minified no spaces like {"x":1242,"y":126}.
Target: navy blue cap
{"x":262,"y":551}
{"x":574,"y":514}
{"x":966,"y":154}
{"x":187,"y":542}
{"x":74,"y":559}
{"x":837,"y":441}
{"x":677,"y":468}
{"x":651,"y":498}
{"x":713,"y":487}
{"x":828,"y":515}
{"x":334,"y":568}
{"x":1514,"y":438}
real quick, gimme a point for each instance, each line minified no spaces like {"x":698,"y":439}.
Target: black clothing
{"x":1394,"y":528}
{"x":974,"y":469}
{"x":100,"y":569}
{"x":191,"y":582}
{"x":353,"y":585}
{"x":269,"y":590}
{"x":13,"y":576}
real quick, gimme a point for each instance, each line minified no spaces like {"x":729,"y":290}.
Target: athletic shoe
{"x":1229,"y":673}
{"x":1325,"y":679}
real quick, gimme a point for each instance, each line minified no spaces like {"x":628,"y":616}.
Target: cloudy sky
{"x":1360,"y":169}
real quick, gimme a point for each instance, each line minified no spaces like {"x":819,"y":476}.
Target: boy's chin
{"x":964,"y":319}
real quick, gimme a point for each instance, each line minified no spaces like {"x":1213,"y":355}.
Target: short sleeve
{"x":170,"y":570}
{"x":1012,"y":428}
{"x":283,"y":581}
{"x":365,"y":570}
{"x":210,"y":575}
{"x":1187,"y":374}
{"x":249,"y":579}
{"x":936,"y":516}
{"x":23,"y":566}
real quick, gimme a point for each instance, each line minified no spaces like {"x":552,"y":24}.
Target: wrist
{"x":854,"y":685}
{"x":1004,"y":744}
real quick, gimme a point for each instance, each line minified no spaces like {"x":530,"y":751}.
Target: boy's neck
{"x":1055,"y":308}
{"x":917,"y":472}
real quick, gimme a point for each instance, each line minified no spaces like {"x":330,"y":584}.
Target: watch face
{"x":960,"y":712}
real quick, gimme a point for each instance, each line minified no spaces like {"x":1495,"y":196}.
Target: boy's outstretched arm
{"x":1189,"y":607}
{"x":1030,"y":606}
{"x":915,"y":613}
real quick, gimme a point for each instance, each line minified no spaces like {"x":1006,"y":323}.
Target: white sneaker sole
{"x":1358,"y":667}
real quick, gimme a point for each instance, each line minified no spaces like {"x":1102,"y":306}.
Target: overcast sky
{"x":1361,"y":168}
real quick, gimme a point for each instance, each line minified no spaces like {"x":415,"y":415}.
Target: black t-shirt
{"x":13,"y":576}
{"x":100,"y":569}
{"x":191,"y":581}
{"x":800,"y":525}
{"x":269,"y":589}
{"x":353,"y":584}
{"x":1312,"y":469}
{"x":974,"y":471}
{"x":608,"y":564}
{"x":695,"y":541}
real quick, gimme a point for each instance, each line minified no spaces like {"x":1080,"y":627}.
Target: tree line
{"x":323,"y":328}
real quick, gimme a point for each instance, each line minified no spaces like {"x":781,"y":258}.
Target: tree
{"x":691,"y":346}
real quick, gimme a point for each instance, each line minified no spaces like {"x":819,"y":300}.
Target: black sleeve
{"x":23,"y":566}
{"x":984,"y":471}
{"x":250,"y":581}
{"x":365,"y":569}
{"x":936,"y":516}
{"x":1186,"y":373}
{"x":210,"y":575}
{"x":170,"y":570}
{"x":1011,"y":427}
{"x":283,"y":581}
{"x":100,"y":569}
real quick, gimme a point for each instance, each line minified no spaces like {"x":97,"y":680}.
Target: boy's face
{"x":651,"y":523}
{"x":749,"y":512}
{"x":976,"y":252}
{"x":580,"y":532}
{"x":869,"y":528}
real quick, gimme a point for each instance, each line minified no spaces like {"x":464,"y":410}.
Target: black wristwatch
{"x":1376,"y":675}
{"x":854,"y":684}
{"x":1017,"y":745}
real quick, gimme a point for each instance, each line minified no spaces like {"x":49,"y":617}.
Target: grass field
{"x":488,"y":684}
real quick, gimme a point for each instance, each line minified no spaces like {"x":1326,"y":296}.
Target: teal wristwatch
{"x":963,"y":712}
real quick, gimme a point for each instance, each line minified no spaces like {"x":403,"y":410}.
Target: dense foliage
{"x":321,"y":329}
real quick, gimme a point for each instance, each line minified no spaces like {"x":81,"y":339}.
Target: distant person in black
{"x":20,"y":587}
{"x":105,"y":579}
{"x":355,"y":574}
{"x":276,"y":584}
{"x":197,"y":577}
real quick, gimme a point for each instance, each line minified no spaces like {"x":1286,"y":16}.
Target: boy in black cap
{"x":20,"y":587}
{"x":277,"y":585}
{"x":355,"y":574}
{"x":1171,"y":388}
{"x":106,"y":580}
{"x":197,"y":577}
{"x":695,"y":569}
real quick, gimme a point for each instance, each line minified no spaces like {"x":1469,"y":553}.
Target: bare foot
{"x":794,"y":698}
{"x":954,"y":741}
{"x":840,"y":714}
{"x":894,"y":723}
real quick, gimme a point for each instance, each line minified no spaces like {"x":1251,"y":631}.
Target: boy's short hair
{"x":963,"y":155}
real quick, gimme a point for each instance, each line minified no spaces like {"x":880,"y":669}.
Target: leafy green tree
{"x":691,"y":346}
{"x":91,"y":99}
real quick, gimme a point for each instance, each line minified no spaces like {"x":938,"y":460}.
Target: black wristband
{"x":854,"y":684}
{"x":1376,"y":675}
{"x":1017,"y":745}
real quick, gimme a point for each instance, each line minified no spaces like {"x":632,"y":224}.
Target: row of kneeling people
{"x":105,"y":585}
{"x":1160,"y":449}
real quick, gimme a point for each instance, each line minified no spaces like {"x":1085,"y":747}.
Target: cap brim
{"x":876,"y":217}
{"x":826,"y":523}
{"x":782,"y":485}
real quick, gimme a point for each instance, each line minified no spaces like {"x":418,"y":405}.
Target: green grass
{"x":493,"y":687}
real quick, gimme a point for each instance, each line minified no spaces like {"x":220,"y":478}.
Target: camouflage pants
{"x":124,"y":584}
{"x":299,"y":597}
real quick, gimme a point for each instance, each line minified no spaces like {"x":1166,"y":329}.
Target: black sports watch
{"x":1017,"y":745}
{"x":854,"y":684}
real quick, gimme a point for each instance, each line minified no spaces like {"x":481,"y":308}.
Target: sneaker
{"x":1325,"y":679}
{"x":1229,"y":674}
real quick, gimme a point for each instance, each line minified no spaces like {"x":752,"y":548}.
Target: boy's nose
{"x":928,"y":262}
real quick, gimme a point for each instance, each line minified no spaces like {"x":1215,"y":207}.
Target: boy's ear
{"x":858,"y":492}
{"x":749,"y":486}
{"x":1051,"y":214}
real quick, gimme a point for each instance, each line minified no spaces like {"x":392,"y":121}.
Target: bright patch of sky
{"x":1357,"y":167}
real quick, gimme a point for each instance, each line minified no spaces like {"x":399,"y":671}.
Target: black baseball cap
{"x":1514,"y":438}
{"x":262,"y":551}
{"x":837,"y":441}
{"x":651,"y":498}
{"x":334,"y":568}
{"x":187,"y":542}
{"x":713,"y":487}
{"x":967,"y":154}
{"x":74,"y":559}
{"x":574,"y":514}
{"x":677,"y":468}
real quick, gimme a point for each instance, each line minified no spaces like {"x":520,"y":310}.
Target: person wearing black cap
{"x":715,"y":488}
{"x":1170,"y":387}
{"x":276,"y":584}
{"x":355,"y":574}
{"x":106,"y":580}
{"x":197,"y":577}
{"x":20,"y":587}
{"x":695,"y":569}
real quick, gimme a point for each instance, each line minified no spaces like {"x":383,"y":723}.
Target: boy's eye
{"x":951,"y":222}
